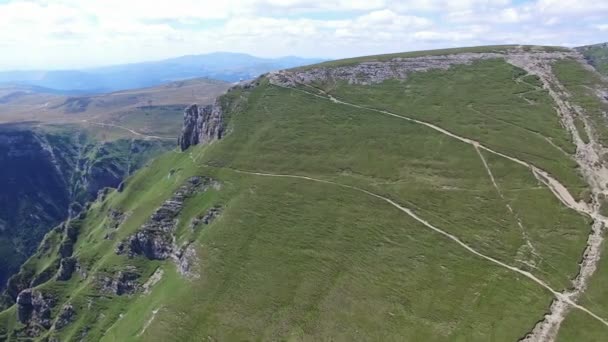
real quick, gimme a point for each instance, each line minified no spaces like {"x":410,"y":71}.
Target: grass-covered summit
{"x":444,"y":204}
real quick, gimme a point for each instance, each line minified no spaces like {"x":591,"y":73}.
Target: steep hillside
{"x":59,"y":151}
{"x":46,"y":174}
{"x":597,"y":55}
{"x":225,"y":66}
{"x":438,"y":196}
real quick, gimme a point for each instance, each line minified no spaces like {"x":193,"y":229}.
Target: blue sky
{"x":45,"y":34}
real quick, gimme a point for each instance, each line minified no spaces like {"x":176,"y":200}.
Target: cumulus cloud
{"x":75,"y":33}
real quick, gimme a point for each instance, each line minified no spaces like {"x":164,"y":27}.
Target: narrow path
{"x":413,"y":215}
{"x":558,"y":189}
{"x":540,"y":135}
{"x":148,"y":322}
{"x":515,"y":215}
{"x":127,"y":129}
{"x":588,"y":157}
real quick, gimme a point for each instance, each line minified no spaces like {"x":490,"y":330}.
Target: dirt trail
{"x":148,"y":322}
{"x":587,"y":157}
{"x":595,"y":173}
{"x":127,"y":129}
{"x":558,"y":189}
{"x":452,"y":237}
{"x":524,"y":232}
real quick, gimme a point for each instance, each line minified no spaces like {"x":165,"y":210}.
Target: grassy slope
{"x":578,"y":82}
{"x":581,"y":83}
{"x":293,"y":259}
{"x":597,"y":55}
{"x":485,"y":103}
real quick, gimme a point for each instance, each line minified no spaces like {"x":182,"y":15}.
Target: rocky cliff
{"x":34,"y":195}
{"x":47,"y":175}
{"x":375,"y":72}
{"x":201,"y":125}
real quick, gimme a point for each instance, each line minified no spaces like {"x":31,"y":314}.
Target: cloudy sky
{"x":81,"y":33}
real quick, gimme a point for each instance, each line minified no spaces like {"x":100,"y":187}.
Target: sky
{"x":69,"y":34}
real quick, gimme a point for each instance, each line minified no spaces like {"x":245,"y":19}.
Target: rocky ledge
{"x":155,"y":239}
{"x":34,"y":310}
{"x":373,"y":72}
{"x":202,"y":125}
{"x":121,"y":283}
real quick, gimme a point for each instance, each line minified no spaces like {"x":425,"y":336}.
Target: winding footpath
{"x":145,"y":136}
{"x":587,"y":157}
{"x":596,"y":175}
{"x":452,"y":237}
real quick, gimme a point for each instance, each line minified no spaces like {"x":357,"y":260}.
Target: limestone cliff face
{"x":201,"y":125}
{"x":399,"y":68}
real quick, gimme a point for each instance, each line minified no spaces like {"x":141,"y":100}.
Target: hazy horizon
{"x":71,"y":34}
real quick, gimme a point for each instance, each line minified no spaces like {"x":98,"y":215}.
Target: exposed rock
{"x":115,"y":218}
{"x":66,"y":316}
{"x":123,"y":282}
{"x":67,"y":267}
{"x":201,"y":125}
{"x":81,"y":270}
{"x":102,"y":194}
{"x":373,"y":72}
{"x":187,"y":261}
{"x":66,"y":249}
{"x":153,"y":280}
{"x":207,"y":218}
{"x":155,"y":239}
{"x":153,"y":244}
{"x":72,"y":229}
{"x":34,"y":309}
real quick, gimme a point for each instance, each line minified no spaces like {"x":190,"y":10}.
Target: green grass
{"x":581,"y":84}
{"x":580,"y":127}
{"x":292,"y":259}
{"x":483,"y":103}
{"x":578,"y":326}
{"x":597,"y":55}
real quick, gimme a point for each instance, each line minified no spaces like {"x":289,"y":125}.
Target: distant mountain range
{"x":230,"y":67}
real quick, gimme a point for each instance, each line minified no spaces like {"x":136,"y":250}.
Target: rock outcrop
{"x":155,"y":239}
{"x":48,"y":177}
{"x":67,"y":266}
{"x":187,"y":261}
{"x":206,"y":218}
{"x":373,"y":72}
{"x":34,"y":310}
{"x":121,"y":283}
{"x":66,"y":316}
{"x":201,"y":125}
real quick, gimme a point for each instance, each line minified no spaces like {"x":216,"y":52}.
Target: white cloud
{"x":74,"y":33}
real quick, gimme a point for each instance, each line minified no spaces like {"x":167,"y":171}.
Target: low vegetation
{"x":583,"y":87}
{"x":322,"y":257}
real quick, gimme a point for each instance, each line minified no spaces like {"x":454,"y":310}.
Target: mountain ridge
{"x":224,"y":66}
{"x":427,"y":198}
